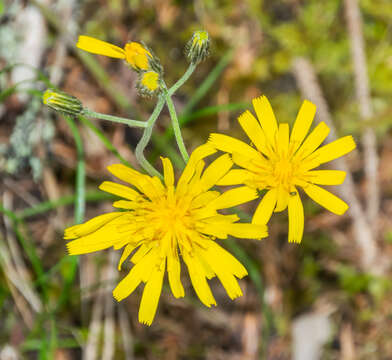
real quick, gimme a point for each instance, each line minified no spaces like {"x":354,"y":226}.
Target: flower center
{"x":283,"y":173}
{"x":171,"y":216}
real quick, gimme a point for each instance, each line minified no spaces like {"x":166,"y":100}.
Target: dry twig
{"x":369,"y":141}
{"x":310,"y":88}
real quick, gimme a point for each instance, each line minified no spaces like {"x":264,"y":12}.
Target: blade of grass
{"x":79,"y":206}
{"x":206,"y":84}
{"x":27,"y":245}
{"x":43,"y":207}
{"x":212,"y":110}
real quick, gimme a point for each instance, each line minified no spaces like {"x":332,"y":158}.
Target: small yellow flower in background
{"x":163,"y":221}
{"x":133,"y":53}
{"x":148,"y":82}
{"x":280,"y":162}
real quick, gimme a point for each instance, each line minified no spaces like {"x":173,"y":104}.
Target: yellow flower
{"x":280,"y":162}
{"x":148,"y":82}
{"x":133,"y":53}
{"x":163,"y":221}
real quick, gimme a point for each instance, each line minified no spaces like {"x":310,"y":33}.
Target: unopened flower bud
{"x":148,"y":83}
{"x":198,"y":47}
{"x":62,"y":102}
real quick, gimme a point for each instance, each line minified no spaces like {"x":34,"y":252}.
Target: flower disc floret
{"x":162,"y":222}
{"x":281,"y":161}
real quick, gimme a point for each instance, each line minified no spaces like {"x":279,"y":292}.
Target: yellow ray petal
{"x":239,"y":230}
{"x":265,"y":208}
{"x":127,"y":251}
{"x":198,"y":280}
{"x":204,"y":199}
{"x":326,"y":177}
{"x":282,"y":199}
{"x":174,"y":274}
{"x":151,"y":294}
{"x":90,"y":226}
{"x":266,"y":118}
{"x":135,"y":276}
{"x":219,"y":218}
{"x":254,"y":131}
{"x":194,"y":184}
{"x":223,"y":273}
{"x":282,"y":145}
{"x":141,"y":253}
{"x":100,"y":47}
{"x":302,"y":124}
{"x":119,"y":190}
{"x":335,"y":149}
{"x":234,"y":197}
{"x":216,"y":171}
{"x":198,"y":154}
{"x":225,"y":259}
{"x":228,"y":144}
{"x":168,"y":172}
{"x":244,"y":162}
{"x":296,"y":218}
{"x":125,"y":204}
{"x":144,"y":183}
{"x":313,"y":141}
{"x":326,"y":199}
{"x":137,"y":56}
{"x":234,"y":177}
{"x":102,"y":238}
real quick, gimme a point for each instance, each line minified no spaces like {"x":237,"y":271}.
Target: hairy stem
{"x":182,"y":79}
{"x":176,"y":128}
{"x":139,"y":152}
{"x":117,"y":119}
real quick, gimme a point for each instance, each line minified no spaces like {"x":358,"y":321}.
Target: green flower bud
{"x":62,"y":102}
{"x":198,"y":47}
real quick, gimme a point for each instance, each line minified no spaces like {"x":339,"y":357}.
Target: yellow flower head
{"x":163,"y":221}
{"x":137,"y":56}
{"x":281,"y":162}
{"x":148,"y":82}
{"x":133,"y":53}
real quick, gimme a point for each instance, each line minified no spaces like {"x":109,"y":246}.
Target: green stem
{"x":146,"y":138}
{"x":79,"y":208}
{"x":80,"y":172}
{"x":176,"y":127}
{"x":46,"y":206}
{"x":117,"y":119}
{"x":182,"y":79}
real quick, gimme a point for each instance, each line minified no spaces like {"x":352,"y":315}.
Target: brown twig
{"x":90,"y":351}
{"x":126,"y":333}
{"x":310,"y":88}
{"x":369,"y":140}
{"x":108,"y":337}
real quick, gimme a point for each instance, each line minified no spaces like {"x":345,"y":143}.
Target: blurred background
{"x":327,"y":298}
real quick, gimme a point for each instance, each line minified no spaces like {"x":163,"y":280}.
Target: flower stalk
{"x":139,"y":152}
